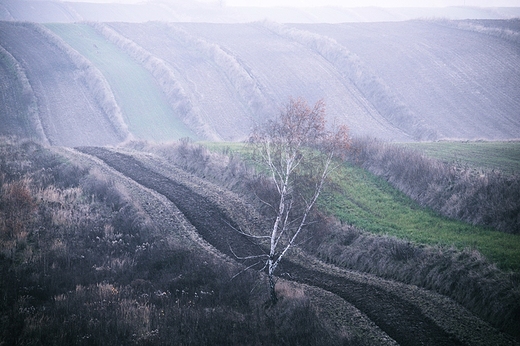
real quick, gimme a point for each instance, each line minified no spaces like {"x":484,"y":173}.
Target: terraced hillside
{"x":18,"y":106}
{"x":447,"y":78}
{"x":406,"y":81}
{"x":228,"y":67}
{"x":144,"y":106}
{"x":66,"y":106}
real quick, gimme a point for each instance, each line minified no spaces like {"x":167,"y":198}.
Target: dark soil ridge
{"x":338,"y":316}
{"x":400,"y":319}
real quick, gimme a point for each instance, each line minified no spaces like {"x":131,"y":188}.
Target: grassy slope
{"x":144,"y":106}
{"x":504,"y":156}
{"x":370,"y":203}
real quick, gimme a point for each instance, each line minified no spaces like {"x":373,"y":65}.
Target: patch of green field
{"x":503,"y":156}
{"x":144,"y":106}
{"x":357,"y":197}
{"x":370,"y":203}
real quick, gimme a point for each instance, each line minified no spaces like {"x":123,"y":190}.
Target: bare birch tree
{"x":298,"y":153}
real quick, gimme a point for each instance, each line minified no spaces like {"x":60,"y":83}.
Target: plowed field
{"x":68,"y":111}
{"x":405,"y":81}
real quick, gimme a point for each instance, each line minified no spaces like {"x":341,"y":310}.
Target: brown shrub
{"x":17,"y":209}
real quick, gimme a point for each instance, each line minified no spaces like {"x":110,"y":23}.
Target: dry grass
{"x":84,"y":266}
{"x":466,"y":276}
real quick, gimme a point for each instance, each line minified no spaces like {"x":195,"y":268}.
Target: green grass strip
{"x":370,"y":203}
{"x":359,"y":198}
{"x":504,"y":156}
{"x":144,"y":106}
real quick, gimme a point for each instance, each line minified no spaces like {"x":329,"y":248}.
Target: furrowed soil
{"x":135,"y":90}
{"x":397,"y":81}
{"x":407,"y":314}
{"x":68,"y":111}
{"x":437,"y":73}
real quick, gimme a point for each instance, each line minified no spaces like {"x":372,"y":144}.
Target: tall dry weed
{"x":466,"y":276}
{"x":17,"y":213}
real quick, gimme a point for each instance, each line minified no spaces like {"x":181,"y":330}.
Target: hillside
{"x":403,"y":81}
{"x":118,"y":227}
{"x":122,"y":246}
{"x":144,"y":106}
{"x":444,"y":76}
{"x":67,"y":108}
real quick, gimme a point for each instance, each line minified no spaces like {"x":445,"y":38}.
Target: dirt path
{"x":400,"y":318}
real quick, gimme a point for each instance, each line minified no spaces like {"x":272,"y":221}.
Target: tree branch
{"x":247,"y":234}
{"x":243,"y":258}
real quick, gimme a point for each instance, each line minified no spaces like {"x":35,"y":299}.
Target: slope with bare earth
{"x":407,"y":314}
{"x":464,"y":84}
{"x":144,"y":106}
{"x":284,"y":68}
{"x":18,"y":102}
{"x":69,"y":113}
{"x":408,"y":80}
{"x":216,"y":101}
{"x":403,"y":81}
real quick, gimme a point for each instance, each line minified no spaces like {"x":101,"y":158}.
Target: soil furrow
{"x":401,"y":320}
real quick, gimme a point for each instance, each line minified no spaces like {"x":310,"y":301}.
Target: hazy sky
{"x":382,"y":3}
{"x":346,"y":3}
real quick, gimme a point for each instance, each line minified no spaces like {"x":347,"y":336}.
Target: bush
{"x":222,"y":168}
{"x":465,"y":276}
